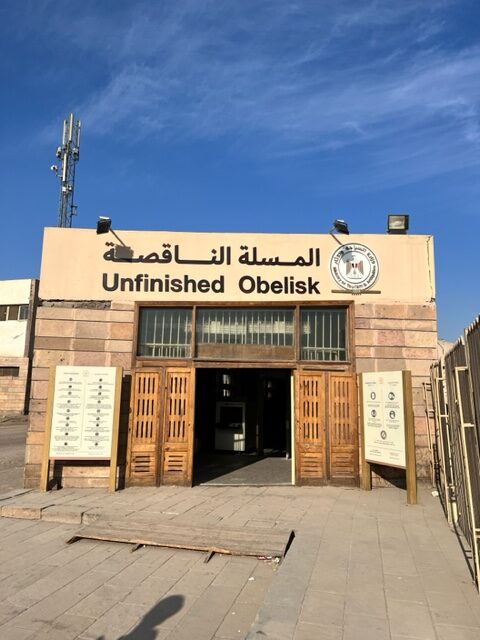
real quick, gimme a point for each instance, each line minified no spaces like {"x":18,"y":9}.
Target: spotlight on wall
{"x":398,"y":223}
{"x":104,"y":225}
{"x":340,"y":226}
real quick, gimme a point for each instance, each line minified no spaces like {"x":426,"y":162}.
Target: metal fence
{"x":455,"y":387}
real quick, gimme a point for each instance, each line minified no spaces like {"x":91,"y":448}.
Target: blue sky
{"x":248,"y":115}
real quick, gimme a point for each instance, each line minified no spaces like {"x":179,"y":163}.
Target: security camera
{"x":54,"y":168}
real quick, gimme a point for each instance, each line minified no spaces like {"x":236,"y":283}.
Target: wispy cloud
{"x":285,"y":78}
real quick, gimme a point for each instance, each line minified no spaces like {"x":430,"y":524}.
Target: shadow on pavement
{"x":146,"y":628}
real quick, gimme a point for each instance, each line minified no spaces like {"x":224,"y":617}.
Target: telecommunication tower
{"x":69,"y":154}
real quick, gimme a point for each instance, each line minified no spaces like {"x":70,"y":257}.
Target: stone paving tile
{"x":451,"y":609}
{"x":361,"y":627}
{"x":333,"y":580}
{"x":357,"y":547}
{"x":409,"y":618}
{"x":114,"y":623}
{"x":368,"y":601}
{"x":404,"y":588}
{"x":237,"y":621}
{"x":306,"y":631}
{"x":321,"y":607}
{"x":99,"y":601}
{"x":448,"y":632}
{"x":13,"y":632}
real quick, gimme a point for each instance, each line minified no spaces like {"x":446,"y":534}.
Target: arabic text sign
{"x":83,"y":412}
{"x":384,"y":418}
{"x":220,"y":255}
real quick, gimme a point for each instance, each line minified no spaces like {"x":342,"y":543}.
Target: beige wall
{"x":13,"y":333}
{"x":13,"y":389}
{"x":388,"y":337}
{"x":14,"y":345}
{"x":73,"y":265}
{"x":395,"y":328}
{"x":76,"y":336}
{"x":392,"y":337}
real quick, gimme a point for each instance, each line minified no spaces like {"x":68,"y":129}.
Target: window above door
{"x":304,"y":333}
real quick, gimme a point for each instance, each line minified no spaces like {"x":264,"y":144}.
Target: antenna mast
{"x":69,"y":154}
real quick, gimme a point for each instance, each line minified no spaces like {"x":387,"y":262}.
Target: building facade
{"x":17,"y":317}
{"x":234,"y":347}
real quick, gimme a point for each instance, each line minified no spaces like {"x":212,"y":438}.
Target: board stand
{"x":48,"y":462}
{"x":409,"y":432}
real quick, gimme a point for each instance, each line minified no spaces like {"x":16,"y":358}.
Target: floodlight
{"x":104,"y":225}
{"x":398,"y":223}
{"x":340,"y":226}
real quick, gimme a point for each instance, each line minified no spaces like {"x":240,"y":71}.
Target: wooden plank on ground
{"x":241,"y":542}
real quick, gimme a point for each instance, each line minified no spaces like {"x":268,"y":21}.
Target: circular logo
{"x":383,"y":435}
{"x":354,"y":267}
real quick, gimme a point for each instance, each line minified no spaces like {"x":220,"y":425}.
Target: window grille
{"x":324,"y":334}
{"x":165,"y":333}
{"x":272,"y":327}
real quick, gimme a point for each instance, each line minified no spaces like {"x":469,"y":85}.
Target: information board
{"x":83,"y":416}
{"x":83,"y":412}
{"x":384,"y":418}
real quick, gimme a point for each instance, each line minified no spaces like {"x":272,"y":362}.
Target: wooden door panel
{"x":143,"y":443}
{"x":343,"y":427}
{"x":310,"y":428}
{"x":177,"y":456}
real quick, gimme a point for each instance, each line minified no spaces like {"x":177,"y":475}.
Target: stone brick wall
{"x":387,"y":337}
{"x":77,"y":334}
{"x":13,"y":388}
{"x":392,"y":337}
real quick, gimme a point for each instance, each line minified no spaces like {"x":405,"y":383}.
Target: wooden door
{"x":144,"y":434}
{"x":178,"y":417}
{"x":310,"y":431}
{"x":343,"y":428}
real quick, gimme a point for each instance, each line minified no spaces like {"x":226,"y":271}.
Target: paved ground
{"x":12,"y":452}
{"x":362,"y":566}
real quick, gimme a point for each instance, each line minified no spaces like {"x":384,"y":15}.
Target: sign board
{"x":83,"y":414}
{"x":384,"y":418}
{"x":168,"y":266}
{"x":386,"y":406}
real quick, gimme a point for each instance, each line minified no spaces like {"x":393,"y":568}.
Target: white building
{"x":17,"y":316}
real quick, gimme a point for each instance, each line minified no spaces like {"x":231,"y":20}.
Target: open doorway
{"x":243,"y":427}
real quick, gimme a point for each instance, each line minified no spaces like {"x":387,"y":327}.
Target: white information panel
{"x":83,"y":412}
{"x":383,"y":418}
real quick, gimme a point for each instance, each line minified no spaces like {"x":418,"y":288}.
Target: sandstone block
{"x":63,"y":513}
{"x":88,"y":344}
{"x":22,"y":511}
{"x":121,"y":316}
{"x":50,"y":342}
{"x":49,"y":358}
{"x":55,"y":313}
{"x":91,"y":315}
{"x":98,"y":330}
{"x":118,"y":346}
{"x":90,"y":358}
{"x":121,"y":331}
{"x":50,"y":327}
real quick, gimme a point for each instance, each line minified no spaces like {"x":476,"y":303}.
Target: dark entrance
{"x":242,"y":431}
